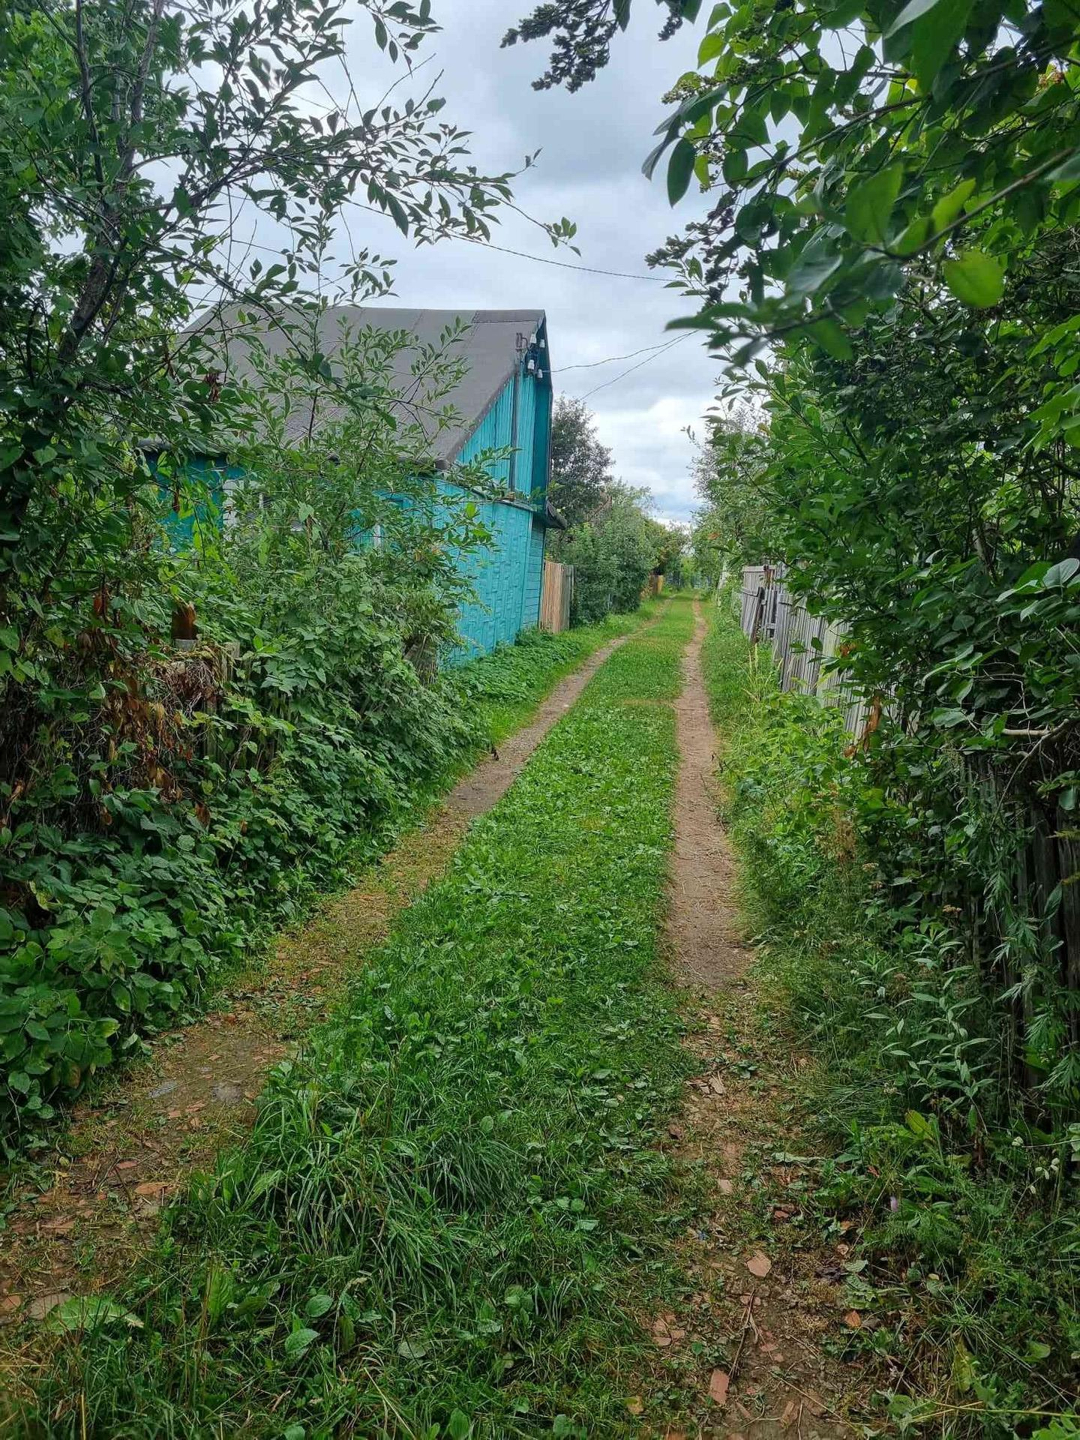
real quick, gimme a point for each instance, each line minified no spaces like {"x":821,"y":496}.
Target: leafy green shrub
{"x":612,"y":557}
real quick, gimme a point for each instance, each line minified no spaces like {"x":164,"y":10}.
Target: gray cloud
{"x":592,"y":146}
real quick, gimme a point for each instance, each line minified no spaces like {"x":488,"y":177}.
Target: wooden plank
{"x":555,"y":597}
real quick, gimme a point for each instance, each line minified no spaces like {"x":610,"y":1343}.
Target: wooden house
{"x":503,"y":402}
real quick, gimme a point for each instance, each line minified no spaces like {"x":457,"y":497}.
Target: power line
{"x":592,"y":364}
{"x":671,"y":343}
{"x":527,"y":255}
{"x":562,"y":264}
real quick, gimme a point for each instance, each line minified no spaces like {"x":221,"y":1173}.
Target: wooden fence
{"x":1043,"y":891}
{"x":556,"y":594}
{"x":805,"y":647}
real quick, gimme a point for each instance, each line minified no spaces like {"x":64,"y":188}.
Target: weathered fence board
{"x":555,"y":597}
{"x":803,"y":645}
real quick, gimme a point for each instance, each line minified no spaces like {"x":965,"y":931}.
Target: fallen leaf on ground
{"x":126,"y":1164}
{"x":9,"y":1303}
{"x":725,"y":1187}
{"x":665,"y":1332}
{"x":853,"y":1320}
{"x":791,"y":1410}
{"x":152,"y":1187}
{"x":759,"y":1264}
{"x":718,"y":1386}
{"x":635,"y":1405}
{"x":42,"y":1304}
{"x":717,"y":1086}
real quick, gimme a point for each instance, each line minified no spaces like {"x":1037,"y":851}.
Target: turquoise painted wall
{"x":508,"y":577}
{"x":505,"y":577}
{"x":182,"y":520}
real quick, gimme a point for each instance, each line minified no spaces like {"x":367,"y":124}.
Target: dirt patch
{"x":131,"y":1147}
{"x":703,"y":927}
{"x":750,"y":1351}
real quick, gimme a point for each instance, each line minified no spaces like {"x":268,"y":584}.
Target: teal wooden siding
{"x":526,"y":473}
{"x":535,"y":576}
{"x":194,"y":501}
{"x":507,"y":577}
{"x":494,"y":432}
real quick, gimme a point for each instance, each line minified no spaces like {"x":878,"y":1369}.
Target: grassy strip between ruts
{"x":426,"y":1231}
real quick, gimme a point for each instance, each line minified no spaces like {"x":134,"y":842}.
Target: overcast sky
{"x":593,"y":144}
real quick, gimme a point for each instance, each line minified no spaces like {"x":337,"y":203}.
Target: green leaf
{"x":299,"y":1341}
{"x":870,"y":204}
{"x":83,"y":1312}
{"x":1061,"y":573}
{"x":912,"y":12}
{"x":913,"y":237}
{"x":948,"y":208}
{"x":819,"y":260}
{"x":412,"y":1349}
{"x":935,"y":37}
{"x":829,"y":334}
{"x":948,"y":719}
{"x":976,"y":278}
{"x":680,"y":170}
{"x":318,"y":1305}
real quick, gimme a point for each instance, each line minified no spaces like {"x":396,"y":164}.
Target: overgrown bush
{"x":166,"y":805}
{"x":612,"y":556}
{"x":966,"y":1206}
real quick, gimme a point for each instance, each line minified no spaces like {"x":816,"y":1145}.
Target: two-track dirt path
{"x":134,"y":1143}
{"x":746,"y":1347}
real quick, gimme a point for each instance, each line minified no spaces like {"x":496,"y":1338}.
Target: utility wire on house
{"x":610,"y":359}
{"x":630,"y":369}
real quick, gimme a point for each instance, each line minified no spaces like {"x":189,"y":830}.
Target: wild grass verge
{"x":961,"y":1213}
{"x":427,"y":1232}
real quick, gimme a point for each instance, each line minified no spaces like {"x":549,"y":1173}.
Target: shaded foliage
{"x":581,"y":472}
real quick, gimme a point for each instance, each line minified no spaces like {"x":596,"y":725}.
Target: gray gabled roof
{"x":489,"y":343}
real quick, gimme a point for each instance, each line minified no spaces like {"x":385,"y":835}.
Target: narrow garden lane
{"x":435,"y":1225}
{"x":741,"y":1350}
{"x":131,"y":1147}
{"x":466,"y":1209}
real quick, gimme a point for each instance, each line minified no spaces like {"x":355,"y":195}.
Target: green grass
{"x":509,"y":684}
{"x":431,"y":1229}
